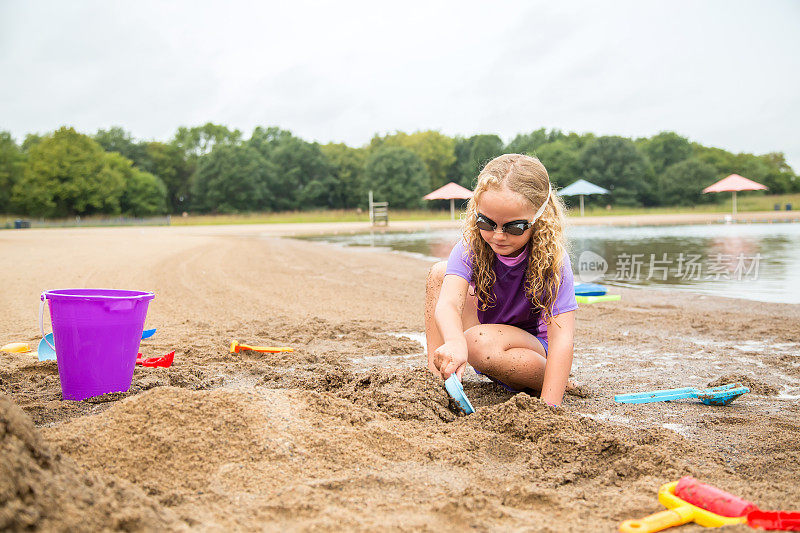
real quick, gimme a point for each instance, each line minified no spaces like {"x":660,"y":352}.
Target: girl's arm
{"x":452,"y":355}
{"x":560,"y":333}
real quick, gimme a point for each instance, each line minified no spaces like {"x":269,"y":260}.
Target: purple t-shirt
{"x":512,"y":307}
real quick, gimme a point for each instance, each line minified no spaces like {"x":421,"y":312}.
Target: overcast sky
{"x":723,"y":73}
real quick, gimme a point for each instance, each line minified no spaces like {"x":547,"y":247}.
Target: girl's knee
{"x":489,"y":351}
{"x":480,"y":346}
{"x":436,"y":274}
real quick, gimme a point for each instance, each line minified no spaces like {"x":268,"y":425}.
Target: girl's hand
{"x":450,"y":357}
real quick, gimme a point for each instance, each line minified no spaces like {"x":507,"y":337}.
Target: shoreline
{"x":332,"y":228}
{"x":688,"y":219}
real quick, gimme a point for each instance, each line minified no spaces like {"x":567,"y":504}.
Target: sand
{"x":350,"y":431}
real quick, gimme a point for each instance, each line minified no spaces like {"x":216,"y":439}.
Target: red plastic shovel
{"x":775,"y":520}
{"x":164,"y":361}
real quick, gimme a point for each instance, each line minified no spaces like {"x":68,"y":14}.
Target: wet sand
{"x":350,"y":431}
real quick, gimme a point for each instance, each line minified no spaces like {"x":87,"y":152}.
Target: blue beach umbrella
{"x":581,"y":188}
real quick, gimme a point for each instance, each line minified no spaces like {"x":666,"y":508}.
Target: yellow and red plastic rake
{"x":236,"y":347}
{"x":689,"y":500}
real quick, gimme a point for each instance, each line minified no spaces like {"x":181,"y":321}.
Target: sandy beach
{"x":350,"y":432}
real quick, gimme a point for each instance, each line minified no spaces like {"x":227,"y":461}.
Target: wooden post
{"x":452,"y":209}
{"x":371,"y":212}
{"x":581,"y":205}
{"x":734,"y":202}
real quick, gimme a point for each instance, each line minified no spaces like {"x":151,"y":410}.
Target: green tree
{"x":433,"y":148}
{"x":167,"y":162}
{"x":67,"y":173}
{"x":31,"y":140}
{"x":265,"y":140}
{"x":456,"y":171}
{"x":200,"y":140}
{"x":665,"y":149}
{"x":472,"y":154}
{"x":144,"y":193}
{"x":398,"y":176}
{"x":579,"y":141}
{"x":615,"y":164}
{"x":196,"y":142}
{"x":769,"y":169}
{"x":118,"y":140}
{"x":779,"y":178}
{"x":751,"y":166}
{"x":232,"y":178}
{"x":483,"y":148}
{"x":529,"y":143}
{"x":306,"y":172}
{"x":11,"y":165}
{"x":305,"y":179}
{"x":347,"y":168}
{"x":722,"y":160}
{"x":682,"y":183}
{"x":560,"y":158}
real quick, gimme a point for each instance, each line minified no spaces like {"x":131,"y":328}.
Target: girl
{"x":504,"y":301}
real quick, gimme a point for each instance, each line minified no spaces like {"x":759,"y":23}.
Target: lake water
{"x":753,"y":261}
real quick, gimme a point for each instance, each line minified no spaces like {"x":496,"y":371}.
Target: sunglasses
{"x":515,"y":227}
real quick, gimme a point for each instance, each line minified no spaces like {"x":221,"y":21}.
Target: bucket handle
{"x":41,"y":320}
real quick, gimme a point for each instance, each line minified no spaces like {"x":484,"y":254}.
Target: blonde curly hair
{"x":526,"y":176}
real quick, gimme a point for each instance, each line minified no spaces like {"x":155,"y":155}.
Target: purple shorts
{"x":509,"y":389}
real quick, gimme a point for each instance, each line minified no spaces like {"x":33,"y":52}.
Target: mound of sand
{"x":375,"y":449}
{"x":755,"y":386}
{"x":165,"y":431}
{"x":43,"y":490}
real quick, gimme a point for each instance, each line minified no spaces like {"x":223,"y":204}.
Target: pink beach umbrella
{"x":735,"y":183}
{"x":451,"y":191}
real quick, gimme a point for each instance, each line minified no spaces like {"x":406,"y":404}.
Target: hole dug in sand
{"x":404,"y":394}
{"x":568,"y":448}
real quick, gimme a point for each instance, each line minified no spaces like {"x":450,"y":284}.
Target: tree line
{"x":213,"y":169}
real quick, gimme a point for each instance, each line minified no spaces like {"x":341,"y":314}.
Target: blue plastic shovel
{"x":589,"y":289}
{"x":456,"y":390}
{"x":46,"y":353}
{"x":715,"y":396}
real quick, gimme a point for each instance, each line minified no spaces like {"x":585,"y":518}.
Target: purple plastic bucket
{"x":96,"y":334}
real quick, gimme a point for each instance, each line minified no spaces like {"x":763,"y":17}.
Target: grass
{"x":746,"y":202}
{"x":290,"y":217}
